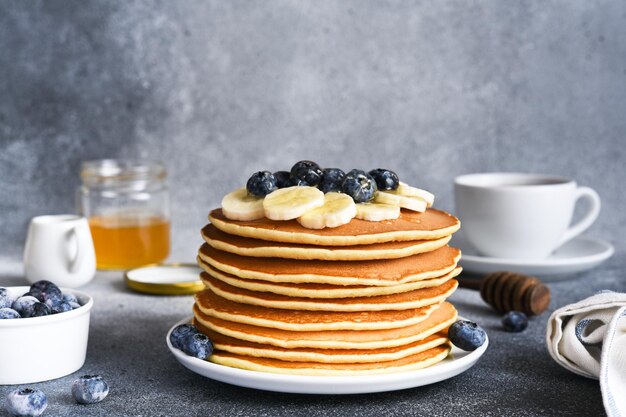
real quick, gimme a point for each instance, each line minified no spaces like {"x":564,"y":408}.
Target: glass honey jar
{"x":127,"y":205}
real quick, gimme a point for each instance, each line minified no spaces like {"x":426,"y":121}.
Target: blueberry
{"x":197,"y":345}
{"x":515,"y":321}
{"x":307,"y":171}
{"x":9,"y":313}
{"x":282,"y":178}
{"x":385,"y":179}
{"x":180,"y":332}
{"x":90,"y":389}
{"x":331,"y":180}
{"x":5,"y":300}
{"x":46,"y":292}
{"x":359,"y":185}
{"x":37,"y":310}
{"x":26,"y":402}
{"x":466,"y":335}
{"x":261,"y":183}
{"x":62,"y":307}
{"x":24,"y":303}
{"x":71,"y":300}
{"x":293,"y":182}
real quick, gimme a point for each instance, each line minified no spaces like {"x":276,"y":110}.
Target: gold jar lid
{"x":165,"y":279}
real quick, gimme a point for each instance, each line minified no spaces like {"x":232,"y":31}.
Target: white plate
{"x":579,"y":254}
{"x":458,"y":362}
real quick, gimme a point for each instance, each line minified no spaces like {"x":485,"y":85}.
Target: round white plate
{"x":579,"y":254}
{"x":456,"y":363}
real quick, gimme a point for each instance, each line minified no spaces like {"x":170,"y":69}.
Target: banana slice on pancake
{"x":409,"y":191}
{"x":239,"y":205}
{"x":338,"y":209}
{"x":376,"y":212}
{"x":292,"y":202}
{"x":412,"y":203}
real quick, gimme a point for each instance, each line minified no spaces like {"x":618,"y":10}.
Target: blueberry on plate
{"x":5,"y":300}
{"x":180,"y":332}
{"x":26,"y":402}
{"x":359,"y":185}
{"x":261,"y":183}
{"x":514,"y":321}
{"x":466,"y":335}
{"x":90,"y":389}
{"x":331,"y":180}
{"x":385,"y":179}
{"x":24,"y":303}
{"x":46,"y":292}
{"x":282,"y":178}
{"x":37,"y":309}
{"x":8,"y":313}
{"x":197,"y":345}
{"x":307,"y":171}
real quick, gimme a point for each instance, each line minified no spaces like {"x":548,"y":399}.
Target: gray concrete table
{"x":515,"y":377}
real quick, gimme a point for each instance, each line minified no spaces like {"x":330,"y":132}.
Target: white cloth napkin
{"x":589,"y":338}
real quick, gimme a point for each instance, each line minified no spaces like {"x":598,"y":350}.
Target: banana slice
{"x":376,"y":212}
{"x":411,"y":203}
{"x":292,"y":202}
{"x":338,"y":209}
{"x":409,"y":191}
{"x":239,"y":205}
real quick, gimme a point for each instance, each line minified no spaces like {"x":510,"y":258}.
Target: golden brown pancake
{"x":402,"y":301}
{"x":373,"y":272}
{"x":408,"y":363}
{"x":262,"y":248}
{"x":432,"y":224}
{"x":242,"y":347}
{"x":438,"y":320}
{"x":304,"y":320}
{"x":311,"y":290}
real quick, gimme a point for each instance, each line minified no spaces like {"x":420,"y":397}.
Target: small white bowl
{"x":39,"y":349}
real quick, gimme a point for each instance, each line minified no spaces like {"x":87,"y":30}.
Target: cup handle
{"x":590,"y":217}
{"x":73,"y":262}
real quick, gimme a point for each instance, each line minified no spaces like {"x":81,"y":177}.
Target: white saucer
{"x":456,"y":363}
{"x":579,"y":254}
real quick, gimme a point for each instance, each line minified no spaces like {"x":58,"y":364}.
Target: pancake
{"x":305,"y":320}
{"x":311,"y":290}
{"x":430,"y":225}
{"x":262,"y":248}
{"x":241,"y":347}
{"x":409,"y":363}
{"x":438,"y":320}
{"x":373,"y":272}
{"x":411,"y":299}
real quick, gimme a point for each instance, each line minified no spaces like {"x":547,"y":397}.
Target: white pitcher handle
{"x":589,"y":218}
{"x":73,"y":262}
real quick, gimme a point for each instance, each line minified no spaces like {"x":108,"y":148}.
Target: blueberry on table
{"x":331,"y":180}
{"x":24,"y":303}
{"x":282,"y":178}
{"x":385,"y":179}
{"x":466,"y":335}
{"x":197,"y":345}
{"x":46,"y":292}
{"x":514,"y":321}
{"x":8,"y":313}
{"x":26,"y":402}
{"x":261,"y":183}
{"x":5,"y":300}
{"x":90,"y":389}
{"x":180,"y":332}
{"x":307,"y":171}
{"x":359,"y":185}
{"x":37,"y":310}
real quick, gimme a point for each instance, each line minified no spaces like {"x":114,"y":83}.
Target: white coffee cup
{"x":520,"y":216}
{"x":59,"y":248}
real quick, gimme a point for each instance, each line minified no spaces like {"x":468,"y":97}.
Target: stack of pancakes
{"x":362,"y":298}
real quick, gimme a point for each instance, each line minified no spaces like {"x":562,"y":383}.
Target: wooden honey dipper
{"x":508,"y":291}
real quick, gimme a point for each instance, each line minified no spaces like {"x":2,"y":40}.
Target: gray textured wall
{"x":220,"y":89}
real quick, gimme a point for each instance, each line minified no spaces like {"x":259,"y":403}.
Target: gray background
{"x":219,"y":90}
